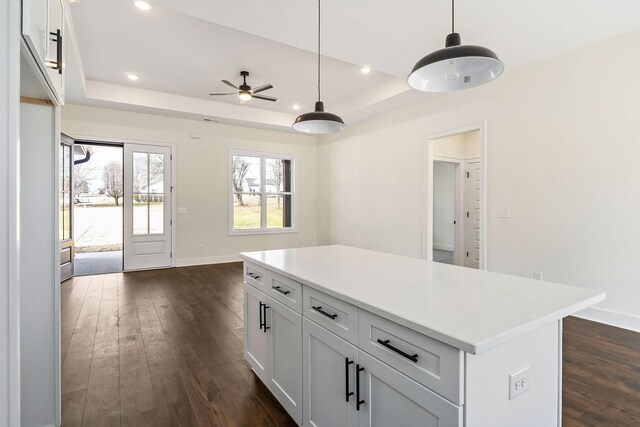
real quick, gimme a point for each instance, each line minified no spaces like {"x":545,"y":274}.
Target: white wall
{"x":38,"y":279}
{"x":444,"y":205}
{"x":202,"y":175}
{"x":562,"y":152}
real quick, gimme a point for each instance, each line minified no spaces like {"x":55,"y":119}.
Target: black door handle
{"x":347,"y":362}
{"x":412,"y":357}
{"x":321,"y":311}
{"x":358,"y":400}
{"x":264,"y":307}
{"x":279,"y":289}
{"x":260,"y":311}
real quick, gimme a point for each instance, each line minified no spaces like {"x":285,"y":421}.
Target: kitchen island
{"x":350,"y":337}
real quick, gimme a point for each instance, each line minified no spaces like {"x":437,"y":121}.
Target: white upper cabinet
{"x":43,"y":35}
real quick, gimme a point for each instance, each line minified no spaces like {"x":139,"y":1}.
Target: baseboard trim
{"x":220,"y":259}
{"x":443,"y":247}
{"x":610,"y":317}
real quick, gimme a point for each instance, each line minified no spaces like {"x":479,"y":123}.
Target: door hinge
{"x":467,"y":214}
{"x":467,"y":254}
{"x":170,"y":156}
{"x":171,"y":190}
{"x":467,"y":174}
{"x":454,"y":222}
{"x":170,"y":222}
{"x":171,"y":254}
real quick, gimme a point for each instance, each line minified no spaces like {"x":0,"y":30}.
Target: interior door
{"x":65,"y":194}
{"x":147,"y":207}
{"x":472,"y":232}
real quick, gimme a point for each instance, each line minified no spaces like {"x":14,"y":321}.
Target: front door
{"x":66,"y":153}
{"x":147,"y":201}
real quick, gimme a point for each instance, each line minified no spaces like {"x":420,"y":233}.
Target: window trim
{"x":263,"y":194}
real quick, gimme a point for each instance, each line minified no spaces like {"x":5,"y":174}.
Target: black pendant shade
{"x":455,"y":67}
{"x":318,"y":121}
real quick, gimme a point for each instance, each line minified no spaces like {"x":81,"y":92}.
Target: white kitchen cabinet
{"x":256,"y":339}
{"x":43,"y":36}
{"x":329,"y":378}
{"x":390,"y":398}
{"x":273,"y":347}
{"x":284,"y":332}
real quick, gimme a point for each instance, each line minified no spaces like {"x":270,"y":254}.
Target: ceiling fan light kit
{"x":456,"y":66}
{"x":318,"y":121}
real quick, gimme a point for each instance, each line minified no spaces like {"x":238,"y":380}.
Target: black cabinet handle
{"x":58,"y":39}
{"x":321,"y":311}
{"x":261,"y":321}
{"x":265,"y":327}
{"x":358,"y":400}
{"x":413,"y":358}
{"x":347,"y":362}
{"x":253,"y":275}
{"x":279,"y":289}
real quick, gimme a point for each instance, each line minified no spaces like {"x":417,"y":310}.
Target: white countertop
{"x":469,"y":309}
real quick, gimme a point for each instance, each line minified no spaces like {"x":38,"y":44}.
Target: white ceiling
{"x":182,"y":49}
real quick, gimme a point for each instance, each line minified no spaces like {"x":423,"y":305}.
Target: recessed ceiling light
{"x":296,"y":107}
{"x":132,"y":77}
{"x":365,"y":70}
{"x":143,"y":5}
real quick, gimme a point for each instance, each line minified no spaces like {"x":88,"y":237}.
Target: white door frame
{"x":458,"y":235}
{"x":428,"y":140}
{"x":174,"y":193}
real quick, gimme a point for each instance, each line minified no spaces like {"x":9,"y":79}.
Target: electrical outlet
{"x":537,"y":275}
{"x":183,"y":210}
{"x":519,"y":382}
{"x":201,"y":247}
{"x":504,"y":213}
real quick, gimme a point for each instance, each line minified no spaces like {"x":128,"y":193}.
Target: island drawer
{"x":285,"y":290}
{"x":255,"y":275}
{"x":430,"y":362}
{"x":337,"y":316}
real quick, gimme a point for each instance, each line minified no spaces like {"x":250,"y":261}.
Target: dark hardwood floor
{"x":164,"y":348}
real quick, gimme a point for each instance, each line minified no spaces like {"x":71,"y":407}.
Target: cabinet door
{"x":256,"y":345}
{"x":285,"y":356}
{"x":35,"y":26}
{"x":329,"y":378}
{"x":393,"y":399}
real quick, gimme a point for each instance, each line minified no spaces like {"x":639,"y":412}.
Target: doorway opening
{"x":454,"y":229}
{"x":98,"y":208}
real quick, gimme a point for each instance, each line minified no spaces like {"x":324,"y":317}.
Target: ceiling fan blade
{"x":228,"y":83}
{"x":266,"y":98}
{"x":261,"y":88}
{"x":230,"y":93}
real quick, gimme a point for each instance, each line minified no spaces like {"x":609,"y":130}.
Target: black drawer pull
{"x":413,"y":358}
{"x":321,"y":311}
{"x":279,"y":289}
{"x":254,"y":276}
{"x":358,"y":400}
{"x":347,"y":362}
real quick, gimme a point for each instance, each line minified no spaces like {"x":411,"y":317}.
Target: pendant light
{"x":318,"y":121}
{"x":456,"y":66}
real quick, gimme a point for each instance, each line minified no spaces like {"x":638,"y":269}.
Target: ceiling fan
{"x":245,"y":92}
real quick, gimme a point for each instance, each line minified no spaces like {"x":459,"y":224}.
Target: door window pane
{"x":67,"y":216}
{"x":246,"y":211}
{"x":61,"y":216}
{"x":67,"y":168}
{"x":148,"y":193}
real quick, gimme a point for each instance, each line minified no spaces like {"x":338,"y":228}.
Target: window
{"x":262,"y":193}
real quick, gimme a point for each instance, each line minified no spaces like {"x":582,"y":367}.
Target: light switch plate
{"x":504,"y":213}
{"x":183,"y":210}
{"x":519,"y":382}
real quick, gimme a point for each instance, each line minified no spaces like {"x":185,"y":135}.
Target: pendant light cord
{"x":453,"y":16}
{"x":318,"y":50}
